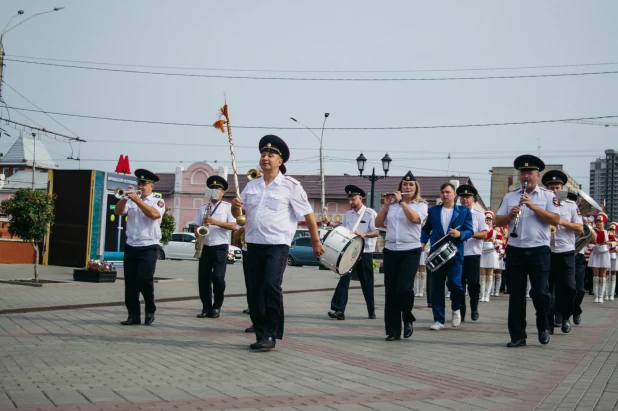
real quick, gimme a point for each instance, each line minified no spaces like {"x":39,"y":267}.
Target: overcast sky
{"x":271,"y":37}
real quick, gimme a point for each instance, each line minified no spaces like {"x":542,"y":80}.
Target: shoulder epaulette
{"x":544,"y":189}
{"x":292,"y":179}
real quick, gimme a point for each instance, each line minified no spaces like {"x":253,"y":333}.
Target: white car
{"x":182,"y":247}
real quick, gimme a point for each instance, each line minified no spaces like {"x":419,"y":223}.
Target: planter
{"x":94,"y":276}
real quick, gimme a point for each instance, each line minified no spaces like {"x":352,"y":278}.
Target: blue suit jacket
{"x":432,"y":230}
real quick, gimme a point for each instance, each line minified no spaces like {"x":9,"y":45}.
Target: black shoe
{"x":249,"y":329}
{"x":577,"y":319}
{"x":263,"y":344}
{"x":216,"y":312}
{"x":372,"y":316}
{"x":558,"y":321}
{"x":337,"y":314}
{"x":392,"y":338}
{"x":131,"y":321}
{"x":474,"y":315}
{"x":544,"y":337}
{"x":204,"y":315}
{"x":149,"y":318}
{"x":247,"y":311}
{"x":566,"y":326}
{"x":517,"y":343}
{"x":255,"y":345}
{"x":551,"y":330}
{"x":407,"y":330}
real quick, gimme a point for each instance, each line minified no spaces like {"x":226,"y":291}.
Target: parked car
{"x":182,"y":247}
{"x":301,"y":252}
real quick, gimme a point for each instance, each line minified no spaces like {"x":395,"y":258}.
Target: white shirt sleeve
{"x":552,"y":204}
{"x":243,"y":196}
{"x":482,"y":223}
{"x":199,"y":217}
{"x":503,"y":210}
{"x":422,"y":211}
{"x":576,"y":216}
{"x":229,"y":217}
{"x":371,"y":225}
{"x":299,"y":202}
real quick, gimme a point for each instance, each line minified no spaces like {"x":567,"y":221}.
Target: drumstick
{"x":434,"y":244}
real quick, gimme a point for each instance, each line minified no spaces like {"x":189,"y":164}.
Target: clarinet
{"x":523,"y":192}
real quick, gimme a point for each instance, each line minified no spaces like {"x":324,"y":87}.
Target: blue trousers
{"x":265,"y":267}
{"x":364,"y":268}
{"x":450,"y":271}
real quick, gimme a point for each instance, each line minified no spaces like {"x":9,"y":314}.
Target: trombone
{"x":121,"y":194}
{"x":253,"y":174}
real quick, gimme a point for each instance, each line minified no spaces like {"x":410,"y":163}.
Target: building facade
{"x":604,"y":183}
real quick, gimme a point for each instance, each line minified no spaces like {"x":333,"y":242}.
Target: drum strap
{"x":360,"y":217}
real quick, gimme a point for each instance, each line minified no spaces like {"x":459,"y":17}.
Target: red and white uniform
{"x":489,"y":258}
{"x":613,"y":251}
{"x":598,"y":259}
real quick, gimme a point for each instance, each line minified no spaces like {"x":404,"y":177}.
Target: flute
{"x":392,"y":194}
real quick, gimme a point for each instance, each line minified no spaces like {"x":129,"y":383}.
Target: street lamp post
{"x":322,"y":187}
{"x":386,"y":164}
{"x":5,"y":30}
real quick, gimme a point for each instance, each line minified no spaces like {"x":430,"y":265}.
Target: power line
{"x":316,"y":71}
{"x":168,"y":123}
{"x":160,"y":73}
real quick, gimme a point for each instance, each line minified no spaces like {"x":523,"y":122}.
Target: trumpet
{"x":253,"y":174}
{"x":121,"y":194}
{"x":523,"y":193}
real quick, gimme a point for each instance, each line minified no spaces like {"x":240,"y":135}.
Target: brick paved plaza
{"x":82,"y":359}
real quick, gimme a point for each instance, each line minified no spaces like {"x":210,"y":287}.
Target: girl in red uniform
{"x":613,"y":256}
{"x":599,"y":257}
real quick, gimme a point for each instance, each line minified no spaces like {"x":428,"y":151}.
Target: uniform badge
{"x":304,"y":196}
{"x":160,"y":203}
{"x":556,"y":202}
{"x":579,"y":213}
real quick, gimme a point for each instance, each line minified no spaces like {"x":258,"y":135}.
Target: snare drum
{"x":613,"y":256}
{"x":604,"y":248}
{"x":439,"y":257}
{"x":488,"y":246}
{"x":342,"y":249}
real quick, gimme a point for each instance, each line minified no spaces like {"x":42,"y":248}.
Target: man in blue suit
{"x":456,"y":222}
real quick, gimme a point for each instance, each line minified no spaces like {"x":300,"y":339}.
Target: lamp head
{"x":58,"y":8}
{"x":292,"y":118}
{"x":20,"y":12}
{"x":326,"y":115}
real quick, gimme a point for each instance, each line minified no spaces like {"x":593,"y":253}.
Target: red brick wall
{"x":16,"y":252}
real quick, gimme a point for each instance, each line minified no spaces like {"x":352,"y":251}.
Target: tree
{"x":30,"y":214}
{"x":168,"y":225}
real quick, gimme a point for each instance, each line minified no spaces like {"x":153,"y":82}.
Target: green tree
{"x":30,"y":213}
{"x":168,"y":225}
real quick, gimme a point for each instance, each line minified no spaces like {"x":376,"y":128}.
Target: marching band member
{"x":212,"y":265}
{"x":489,"y":257}
{"x":589,"y":284}
{"x":237,"y":236}
{"x":420,"y":281}
{"x":455,"y":222}
{"x":273,"y":204}
{"x":402,"y":214}
{"x":611,"y":277}
{"x":141,"y":250}
{"x":599,"y":261}
{"x":532,"y":211}
{"x":562,"y":257}
{"x":366,"y":229}
{"x":473,"y":247}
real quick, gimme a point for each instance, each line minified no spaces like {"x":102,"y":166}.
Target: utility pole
{"x":33,"y":159}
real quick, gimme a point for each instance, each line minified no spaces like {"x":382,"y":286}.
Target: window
{"x":15,"y":170}
{"x":176,"y":237}
{"x":304,"y":242}
{"x":5,"y":171}
{"x":187,"y":238}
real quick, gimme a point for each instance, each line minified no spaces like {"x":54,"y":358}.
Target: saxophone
{"x":202,"y":232}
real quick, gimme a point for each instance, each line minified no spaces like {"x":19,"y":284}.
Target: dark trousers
{"x":139,"y":268}
{"x":588,"y":280}
{"x":211,"y":276}
{"x":471,"y":276}
{"x":521,"y":263}
{"x":428,"y":286}
{"x":580,"y":274}
{"x":265,"y":267}
{"x":399,"y":271}
{"x":364,"y":270}
{"x":451,"y":271}
{"x":561,"y":281}
{"x":244,"y":271}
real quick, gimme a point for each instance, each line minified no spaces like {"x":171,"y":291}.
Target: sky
{"x":394,"y":41}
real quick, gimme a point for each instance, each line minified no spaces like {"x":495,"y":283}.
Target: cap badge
{"x":526,"y":164}
{"x":407,"y":177}
{"x":268,"y":145}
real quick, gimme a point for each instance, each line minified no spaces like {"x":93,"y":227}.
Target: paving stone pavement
{"x":82,"y":359}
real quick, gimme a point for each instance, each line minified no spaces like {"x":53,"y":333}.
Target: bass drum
{"x":342,"y":250}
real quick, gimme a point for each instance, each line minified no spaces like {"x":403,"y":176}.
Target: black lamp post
{"x":386,"y":164}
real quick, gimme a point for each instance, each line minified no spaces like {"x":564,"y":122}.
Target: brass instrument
{"x":518,"y":217}
{"x":586,"y":205}
{"x":121,"y":194}
{"x":202,"y":232}
{"x":253,"y":174}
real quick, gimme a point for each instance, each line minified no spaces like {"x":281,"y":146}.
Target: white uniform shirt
{"x":401,"y":233}
{"x":532,"y":231}
{"x":143,"y":230}
{"x":473,"y":246}
{"x":368,"y":223}
{"x":564,"y":239}
{"x":222,"y":212}
{"x":273,"y":211}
